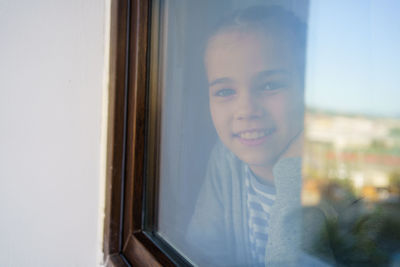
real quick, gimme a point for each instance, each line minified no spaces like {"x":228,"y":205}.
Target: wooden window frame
{"x":130,"y":238}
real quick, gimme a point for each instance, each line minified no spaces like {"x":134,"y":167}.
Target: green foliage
{"x":395,"y":132}
{"x":394,"y":179}
{"x":358,"y":238}
{"x":378,"y":145}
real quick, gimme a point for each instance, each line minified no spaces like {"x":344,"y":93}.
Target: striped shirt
{"x":260,"y":198}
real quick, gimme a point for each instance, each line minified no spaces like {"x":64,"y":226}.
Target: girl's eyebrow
{"x":220,"y":80}
{"x":259,"y":76}
{"x":267,"y":73}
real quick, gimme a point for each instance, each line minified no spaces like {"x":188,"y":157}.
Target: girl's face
{"x":256,"y":94}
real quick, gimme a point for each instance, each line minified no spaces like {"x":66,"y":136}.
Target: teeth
{"x":254,"y":134}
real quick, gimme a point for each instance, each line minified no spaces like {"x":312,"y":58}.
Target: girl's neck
{"x":263,"y":172}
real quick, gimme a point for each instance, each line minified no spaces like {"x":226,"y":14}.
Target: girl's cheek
{"x":276,"y":102}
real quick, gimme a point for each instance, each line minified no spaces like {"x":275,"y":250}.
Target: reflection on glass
{"x":236,"y":188}
{"x":351,"y":161}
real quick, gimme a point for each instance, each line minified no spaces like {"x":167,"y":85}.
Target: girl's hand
{"x":295,"y":148}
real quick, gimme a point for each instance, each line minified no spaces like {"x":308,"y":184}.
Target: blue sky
{"x":353,"y":56}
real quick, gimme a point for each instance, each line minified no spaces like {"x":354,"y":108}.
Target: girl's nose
{"x":248,"y":107}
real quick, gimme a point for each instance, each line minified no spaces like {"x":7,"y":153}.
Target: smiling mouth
{"x":254,"y":137}
{"x":254,"y":134}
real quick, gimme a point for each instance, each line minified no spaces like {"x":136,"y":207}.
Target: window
{"x":161,"y":133}
{"x":126,"y":241}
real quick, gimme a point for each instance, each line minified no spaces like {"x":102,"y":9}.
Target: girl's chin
{"x":259,"y":161}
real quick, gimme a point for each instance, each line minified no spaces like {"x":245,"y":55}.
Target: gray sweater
{"x":218,"y":231}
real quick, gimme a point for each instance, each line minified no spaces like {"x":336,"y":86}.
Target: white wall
{"x":52,"y":65}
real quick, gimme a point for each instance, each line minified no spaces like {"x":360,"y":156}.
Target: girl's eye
{"x":272,"y":86}
{"x":225,"y":92}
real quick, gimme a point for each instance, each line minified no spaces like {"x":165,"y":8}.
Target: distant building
{"x":361,"y":149}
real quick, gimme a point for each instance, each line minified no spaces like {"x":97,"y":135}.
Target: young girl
{"x":247,"y":212}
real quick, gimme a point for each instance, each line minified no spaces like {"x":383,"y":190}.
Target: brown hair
{"x":263,"y":18}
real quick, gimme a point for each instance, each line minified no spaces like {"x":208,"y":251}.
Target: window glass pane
{"x":237,"y":79}
{"x":351,"y":158}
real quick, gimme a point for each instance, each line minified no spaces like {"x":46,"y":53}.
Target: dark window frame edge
{"x":125,"y":241}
